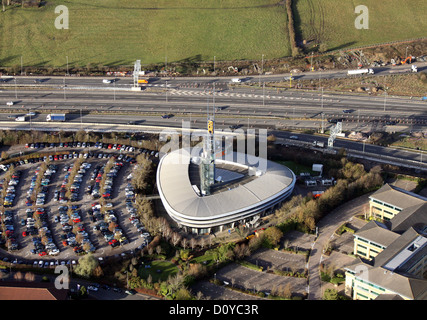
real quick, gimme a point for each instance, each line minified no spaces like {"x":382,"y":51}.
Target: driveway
{"x":327,"y":227}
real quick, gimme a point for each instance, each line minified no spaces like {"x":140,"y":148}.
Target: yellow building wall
{"x":363,"y":290}
{"x":381,"y":211}
{"x":365,"y":250}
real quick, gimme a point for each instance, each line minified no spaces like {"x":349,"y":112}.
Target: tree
{"x":29,"y":276}
{"x":86,"y":266}
{"x":176,"y":238}
{"x":273,"y":234}
{"x":330,"y":294}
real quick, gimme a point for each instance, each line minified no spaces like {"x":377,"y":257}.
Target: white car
{"x":293,"y":137}
{"x":93,"y":288}
{"x":106,"y":81}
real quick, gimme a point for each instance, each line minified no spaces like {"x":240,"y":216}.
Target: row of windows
{"x":370,"y":284}
{"x":386,"y":205}
{"x":369,"y":242}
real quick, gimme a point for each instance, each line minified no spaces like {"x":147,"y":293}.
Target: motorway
{"x":190,"y":97}
{"x":273,"y":106}
{"x":126,"y":82}
{"x":91,"y":103}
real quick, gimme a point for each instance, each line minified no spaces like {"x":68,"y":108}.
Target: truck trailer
{"x":21,"y":118}
{"x":319,"y":144}
{"x":55,"y":117}
{"x":360,"y":71}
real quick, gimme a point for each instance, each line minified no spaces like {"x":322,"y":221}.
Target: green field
{"x":159,"y":271}
{"x":112,"y":32}
{"x":332,"y":22}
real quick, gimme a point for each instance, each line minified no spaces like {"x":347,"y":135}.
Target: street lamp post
{"x":68,"y":73}
{"x":262,"y":70}
{"x":385,"y":99}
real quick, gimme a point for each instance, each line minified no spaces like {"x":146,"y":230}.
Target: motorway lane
{"x":137,"y":120}
{"x":147,"y":123}
{"x":243,"y":99}
{"x":358,"y":146}
{"x":128,"y":81}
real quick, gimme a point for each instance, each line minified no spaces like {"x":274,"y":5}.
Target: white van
{"x":236,"y":80}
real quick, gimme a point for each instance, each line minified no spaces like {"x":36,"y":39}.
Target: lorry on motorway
{"x":142,"y":81}
{"x":236,"y":80}
{"x":55,"y":117}
{"x":10,"y":103}
{"x":360,"y":71}
{"x":319,"y":144}
{"x":21,"y":118}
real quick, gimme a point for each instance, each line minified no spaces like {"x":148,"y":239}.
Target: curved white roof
{"x":183,"y":202}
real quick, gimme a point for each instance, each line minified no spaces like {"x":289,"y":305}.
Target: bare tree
{"x":193,"y":243}
{"x":159,"y":249}
{"x":184,"y":242}
{"x":287,"y":291}
{"x":18,"y":276}
{"x":176,"y":238}
{"x":199,"y":295}
{"x":202,"y":243}
{"x":29,"y":276}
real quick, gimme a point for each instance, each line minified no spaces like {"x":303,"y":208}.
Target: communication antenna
{"x":136,"y":71}
{"x":207,"y":166}
{"x":334,"y":133}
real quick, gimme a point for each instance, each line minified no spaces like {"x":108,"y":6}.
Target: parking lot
{"x":256,"y":281}
{"x":75,"y":201}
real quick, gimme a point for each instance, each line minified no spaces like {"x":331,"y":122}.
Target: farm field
{"x":332,"y":22}
{"x":116,"y":33}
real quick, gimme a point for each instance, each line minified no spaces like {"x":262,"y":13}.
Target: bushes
{"x":343,"y":229}
{"x":355,"y":185}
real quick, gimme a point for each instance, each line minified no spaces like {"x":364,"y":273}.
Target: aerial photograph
{"x":213,"y":158}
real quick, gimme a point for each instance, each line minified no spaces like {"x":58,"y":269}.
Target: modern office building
{"x":391,"y":249}
{"x":241,"y":193}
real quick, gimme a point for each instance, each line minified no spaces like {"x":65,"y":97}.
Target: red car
{"x":24,"y":233}
{"x":41,"y":254}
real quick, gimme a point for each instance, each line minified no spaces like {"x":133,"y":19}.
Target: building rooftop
{"x":22,"y":290}
{"x":175,"y":186}
{"x":413,"y":216}
{"x":398,"y":197}
{"x":405,"y":248}
{"x":377,"y":232}
{"x":405,"y":285}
